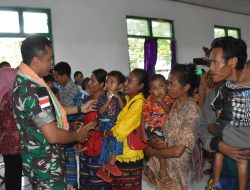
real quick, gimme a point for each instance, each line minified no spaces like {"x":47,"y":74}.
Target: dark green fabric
{"x":230,"y":168}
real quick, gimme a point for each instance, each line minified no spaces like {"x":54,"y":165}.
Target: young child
{"x":79,"y":147}
{"x":232,"y":125}
{"x":85,"y":89}
{"x":50,"y":81}
{"x":109,"y":106}
{"x":155,"y":111}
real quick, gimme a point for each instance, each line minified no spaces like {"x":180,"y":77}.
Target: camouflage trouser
{"x":45,"y":173}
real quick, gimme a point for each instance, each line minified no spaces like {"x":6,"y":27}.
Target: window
{"x":18,"y":23}
{"x":138,"y":30}
{"x":221,"y":31}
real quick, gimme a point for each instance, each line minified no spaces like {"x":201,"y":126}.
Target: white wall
{"x":91,"y":34}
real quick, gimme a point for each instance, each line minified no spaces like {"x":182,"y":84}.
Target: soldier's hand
{"x":89,"y":106}
{"x":83,"y":132}
{"x":76,"y":125}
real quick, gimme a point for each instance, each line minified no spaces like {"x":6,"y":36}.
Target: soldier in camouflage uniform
{"x":36,"y":115}
{"x":38,"y":155}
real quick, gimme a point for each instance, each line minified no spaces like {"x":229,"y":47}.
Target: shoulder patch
{"x":43,"y":97}
{"x":44,"y":102}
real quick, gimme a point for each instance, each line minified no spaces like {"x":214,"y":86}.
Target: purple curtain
{"x":173,"y":51}
{"x":150,"y":55}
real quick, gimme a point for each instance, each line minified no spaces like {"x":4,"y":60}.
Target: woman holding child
{"x":130,"y":162}
{"x":180,"y":131}
{"x":89,"y":158}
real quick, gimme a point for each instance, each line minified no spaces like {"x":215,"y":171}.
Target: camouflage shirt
{"x":43,"y":163}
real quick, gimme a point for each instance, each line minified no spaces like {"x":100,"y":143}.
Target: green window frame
{"x":21,"y":22}
{"x":146,"y":29}
{"x":223,"y":31}
{"x":21,"y":11}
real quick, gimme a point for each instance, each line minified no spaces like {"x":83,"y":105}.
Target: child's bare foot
{"x":164,"y":179}
{"x":149,"y":176}
{"x":162,"y":173}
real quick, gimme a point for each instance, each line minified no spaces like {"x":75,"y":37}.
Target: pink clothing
{"x":9,"y":138}
{"x":7,"y":77}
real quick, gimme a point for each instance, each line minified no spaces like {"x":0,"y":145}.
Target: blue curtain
{"x":150,"y":55}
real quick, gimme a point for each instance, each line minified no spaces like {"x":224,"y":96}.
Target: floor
{"x":192,"y":185}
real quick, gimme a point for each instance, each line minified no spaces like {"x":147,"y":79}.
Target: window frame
{"x":20,"y":11}
{"x":226,"y":28}
{"x":150,"y":29}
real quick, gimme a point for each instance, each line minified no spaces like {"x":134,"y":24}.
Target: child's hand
{"x":116,"y":94}
{"x":108,"y":133}
{"x":218,"y":113}
{"x":144,"y":137}
{"x":211,"y":129}
{"x":157,"y":99}
{"x":93,"y":124}
{"x":76,"y":125}
{"x":110,"y":95}
{"x":157,"y":143}
{"x":89,"y":106}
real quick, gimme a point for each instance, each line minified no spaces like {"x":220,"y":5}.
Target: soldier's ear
{"x":34,"y":60}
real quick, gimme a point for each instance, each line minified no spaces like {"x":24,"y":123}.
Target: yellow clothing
{"x":128,"y":120}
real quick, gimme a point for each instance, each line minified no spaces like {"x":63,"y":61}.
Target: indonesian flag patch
{"x":44,"y":102}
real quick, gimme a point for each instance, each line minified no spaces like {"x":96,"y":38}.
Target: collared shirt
{"x":69,"y":94}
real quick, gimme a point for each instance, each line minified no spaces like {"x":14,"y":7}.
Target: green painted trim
{"x":21,"y":34}
{"x":20,"y":11}
{"x":173,"y":31}
{"x":226,"y":28}
{"x":150,"y":29}
{"x":135,"y":36}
